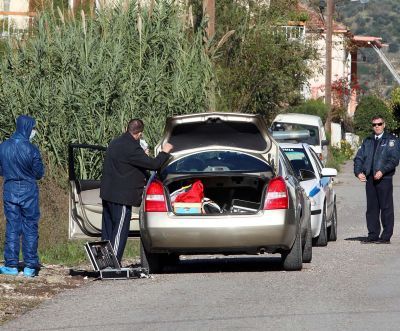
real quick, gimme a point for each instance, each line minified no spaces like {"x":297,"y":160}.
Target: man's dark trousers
{"x":115,"y":226}
{"x":380,"y":205}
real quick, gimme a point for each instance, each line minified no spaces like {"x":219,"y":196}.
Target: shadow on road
{"x":225,"y":264}
{"x":356,"y":239}
{"x":195,"y":264}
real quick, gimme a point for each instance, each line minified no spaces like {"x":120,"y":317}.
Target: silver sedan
{"x":228,"y":189}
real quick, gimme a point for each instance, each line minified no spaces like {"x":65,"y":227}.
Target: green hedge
{"x":369,"y":107}
{"x":311,"y":107}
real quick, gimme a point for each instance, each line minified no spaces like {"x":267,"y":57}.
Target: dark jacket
{"x":20,"y":163}
{"x":124,"y":171}
{"x":386,"y":156}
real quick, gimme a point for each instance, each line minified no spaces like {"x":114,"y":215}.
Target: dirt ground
{"x":18,"y":294}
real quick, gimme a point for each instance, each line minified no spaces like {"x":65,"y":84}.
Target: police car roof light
{"x":291,"y":135}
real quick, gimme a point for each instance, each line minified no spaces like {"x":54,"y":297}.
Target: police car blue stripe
{"x":314,"y":191}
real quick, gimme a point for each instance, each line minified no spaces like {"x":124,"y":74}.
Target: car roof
{"x":299,"y":118}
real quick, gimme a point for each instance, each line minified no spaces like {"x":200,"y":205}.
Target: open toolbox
{"x":103,"y":260}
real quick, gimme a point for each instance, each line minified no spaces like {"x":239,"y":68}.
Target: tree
{"x":311,"y":107}
{"x":395,"y":105}
{"x":393,"y":48}
{"x":258,"y":69}
{"x":369,"y":107}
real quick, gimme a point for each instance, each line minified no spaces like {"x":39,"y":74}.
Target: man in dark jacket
{"x":123,"y":181}
{"x":375,"y":164}
{"x":21,"y":166}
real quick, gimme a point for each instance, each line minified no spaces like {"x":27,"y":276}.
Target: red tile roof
{"x":367,"y":41}
{"x":317,"y":22}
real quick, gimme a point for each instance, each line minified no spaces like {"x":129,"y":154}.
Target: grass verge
{"x":338,"y":156}
{"x":72,"y":253}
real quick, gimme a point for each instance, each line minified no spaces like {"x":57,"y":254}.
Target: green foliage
{"x":72,"y":253}
{"x":369,"y":107}
{"x":337,"y":156}
{"x":258,"y":70}
{"x":83,"y":78}
{"x":395,"y":103}
{"x":395,"y":106}
{"x":311,"y":107}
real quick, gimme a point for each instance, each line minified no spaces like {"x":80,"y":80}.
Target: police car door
{"x":85,"y":164}
{"x":327,"y":185}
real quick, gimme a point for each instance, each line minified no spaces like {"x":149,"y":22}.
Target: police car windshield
{"x":298,"y":159}
{"x":217,"y":161}
{"x":313,"y":139}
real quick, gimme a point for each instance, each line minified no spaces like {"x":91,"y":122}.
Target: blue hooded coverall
{"x":21,"y":165}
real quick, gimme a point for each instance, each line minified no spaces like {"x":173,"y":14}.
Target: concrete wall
{"x":336,"y":134}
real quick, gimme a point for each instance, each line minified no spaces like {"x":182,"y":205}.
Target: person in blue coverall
{"x":21,"y":166}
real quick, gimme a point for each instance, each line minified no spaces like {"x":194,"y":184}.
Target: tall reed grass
{"x":84,"y":77}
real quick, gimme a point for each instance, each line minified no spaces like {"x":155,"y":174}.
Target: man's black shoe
{"x":382,"y":241}
{"x":370,"y":241}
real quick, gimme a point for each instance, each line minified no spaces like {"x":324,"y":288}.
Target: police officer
{"x":375,"y":164}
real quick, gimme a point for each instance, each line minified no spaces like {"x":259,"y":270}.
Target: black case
{"x":104,"y":261}
{"x":242,"y":206}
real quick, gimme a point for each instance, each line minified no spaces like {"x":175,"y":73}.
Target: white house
{"x":345,"y":47}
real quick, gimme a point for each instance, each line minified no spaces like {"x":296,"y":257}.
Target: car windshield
{"x":217,"y":161}
{"x":313,"y":139}
{"x":298,"y":159}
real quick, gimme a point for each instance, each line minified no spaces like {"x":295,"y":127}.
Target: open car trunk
{"x":223,"y":194}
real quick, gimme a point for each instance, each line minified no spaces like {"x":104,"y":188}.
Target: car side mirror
{"x":328,"y":172}
{"x":306,"y":174}
{"x":325,"y":142}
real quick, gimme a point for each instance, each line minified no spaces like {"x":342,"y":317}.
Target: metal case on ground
{"x":104,"y":261}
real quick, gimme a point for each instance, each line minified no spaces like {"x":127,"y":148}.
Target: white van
{"x":316,"y":136}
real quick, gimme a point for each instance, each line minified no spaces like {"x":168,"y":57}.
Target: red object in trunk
{"x":195,"y":193}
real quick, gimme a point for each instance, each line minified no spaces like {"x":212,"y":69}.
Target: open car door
{"x":85,"y":164}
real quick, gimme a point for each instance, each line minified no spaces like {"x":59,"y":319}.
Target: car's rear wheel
{"x":307,"y":249}
{"x":332,"y":231}
{"x":322,"y":239}
{"x":293,"y":259}
{"x":154,"y":263}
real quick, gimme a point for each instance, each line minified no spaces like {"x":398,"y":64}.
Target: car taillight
{"x":155,"y":197}
{"x":277,"y":195}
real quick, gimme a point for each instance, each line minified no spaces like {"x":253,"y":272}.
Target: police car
{"x":317,"y":181}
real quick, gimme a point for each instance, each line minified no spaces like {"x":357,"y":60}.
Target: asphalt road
{"x":348,"y":286}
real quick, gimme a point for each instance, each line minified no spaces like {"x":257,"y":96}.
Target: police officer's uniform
{"x":378,"y":153}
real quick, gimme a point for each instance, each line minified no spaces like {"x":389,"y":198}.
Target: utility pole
{"x":328,"y":74}
{"x":209,"y":12}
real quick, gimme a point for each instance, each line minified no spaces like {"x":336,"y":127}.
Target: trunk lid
{"x":242,"y":132}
